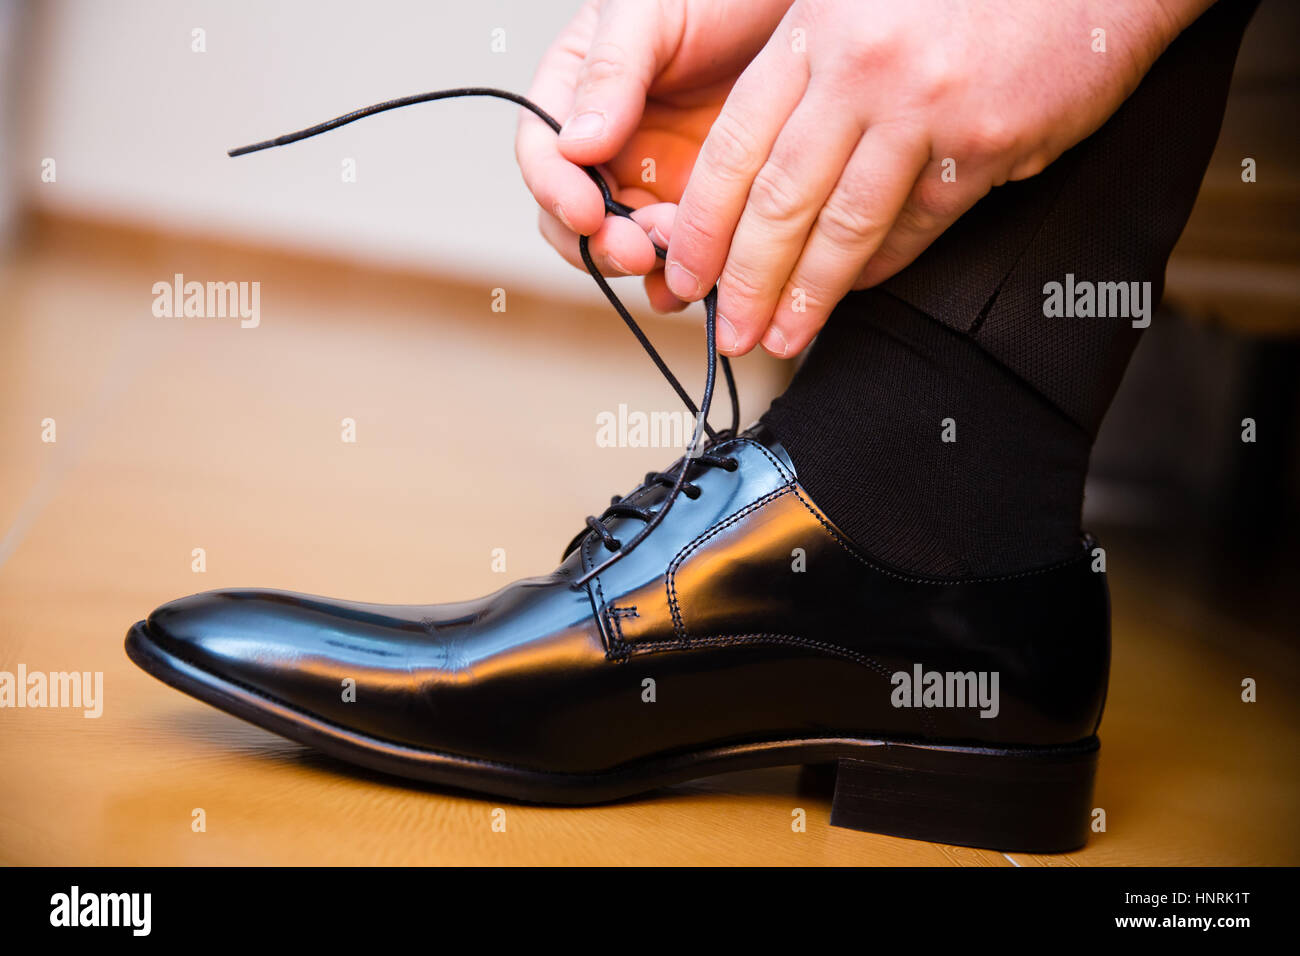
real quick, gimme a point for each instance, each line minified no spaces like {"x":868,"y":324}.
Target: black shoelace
{"x":677,"y":477}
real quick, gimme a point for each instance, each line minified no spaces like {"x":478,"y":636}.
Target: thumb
{"x":610,"y":93}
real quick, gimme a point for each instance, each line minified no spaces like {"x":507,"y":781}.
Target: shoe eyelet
{"x":691,"y":491}
{"x":614,"y":545}
{"x":731,"y":464}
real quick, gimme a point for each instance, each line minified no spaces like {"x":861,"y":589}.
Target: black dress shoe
{"x":745,"y":631}
{"x":711,"y":620}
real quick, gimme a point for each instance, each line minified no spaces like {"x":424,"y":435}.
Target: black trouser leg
{"x":962,"y":335}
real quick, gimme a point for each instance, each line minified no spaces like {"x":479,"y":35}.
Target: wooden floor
{"x":475,"y":431}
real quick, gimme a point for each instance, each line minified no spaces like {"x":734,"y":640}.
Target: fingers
{"x":619,"y":246}
{"x":809,"y":155}
{"x":609,"y":249}
{"x":933,"y":206}
{"x":599,"y":69}
{"x":623,"y":247}
{"x":611,"y":85}
{"x":560,"y":188}
{"x":660,"y":296}
{"x":657,"y":221}
{"x":732,"y":154}
{"x":850,"y":227}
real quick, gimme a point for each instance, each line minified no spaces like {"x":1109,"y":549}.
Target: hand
{"x":657,"y":74}
{"x":824,"y":170}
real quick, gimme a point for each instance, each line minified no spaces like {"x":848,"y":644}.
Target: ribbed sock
{"x":926,"y":452}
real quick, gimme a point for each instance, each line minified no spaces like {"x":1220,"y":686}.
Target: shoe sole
{"x":1031,"y":799}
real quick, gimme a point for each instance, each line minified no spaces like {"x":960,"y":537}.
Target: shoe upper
{"x":744,"y":616}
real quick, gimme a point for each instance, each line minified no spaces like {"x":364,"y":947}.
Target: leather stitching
{"x":679,"y":626}
{"x":588,"y":561}
{"x":936,"y":582}
{"x":616,"y":628}
{"x":727,"y":640}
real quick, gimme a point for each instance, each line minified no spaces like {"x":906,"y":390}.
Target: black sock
{"x":864,"y":422}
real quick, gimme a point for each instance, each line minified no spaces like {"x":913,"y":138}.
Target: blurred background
{"x":141,"y":122}
{"x":146,"y":457}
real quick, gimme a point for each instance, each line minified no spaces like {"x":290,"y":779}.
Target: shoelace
{"x":620,"y":507}
{"x":676,"y":478}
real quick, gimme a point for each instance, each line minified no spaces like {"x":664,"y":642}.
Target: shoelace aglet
{"x":253,"y":147}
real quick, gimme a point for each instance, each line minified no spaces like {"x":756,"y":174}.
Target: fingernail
{"x":587,"y":125}
{"x":559,"y":214}
{"x":727,"y":337}
{"x":658,"y":238}
{"x":681,"y":283}
{"x":616,"y":266}
{"x":774,"y":341}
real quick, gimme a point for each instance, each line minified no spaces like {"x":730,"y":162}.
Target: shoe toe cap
{"x":345,"y":664}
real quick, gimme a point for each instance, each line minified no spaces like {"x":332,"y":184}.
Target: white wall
{"x":138,"y":124}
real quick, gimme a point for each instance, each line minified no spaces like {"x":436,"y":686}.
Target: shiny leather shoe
{"x":714,"y":619}
{"x":745,"y":631}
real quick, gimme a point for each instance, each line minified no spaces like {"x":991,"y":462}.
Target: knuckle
{"x":989,"y":134}
{"x":936,"y":197}
{"x":889,"y":259}
{"x":605,"y":61}
{"x":775,"y":194}
{"x":693,"y":233}
{"x":937,"y":75}
{"x":729,"y":148}
{"x":917,"y":218}
{"x":740,"y":282}
{"x":845,"y":223}
{"x":870,"y":50}
{"x":1031,"y":165}
{"x":927,"y":199}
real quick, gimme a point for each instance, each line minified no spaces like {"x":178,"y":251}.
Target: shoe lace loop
{"x":677,"y":477}
{"x":619,"y":507}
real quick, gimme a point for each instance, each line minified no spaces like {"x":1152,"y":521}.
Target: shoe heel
{"x":1033,"y":801}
